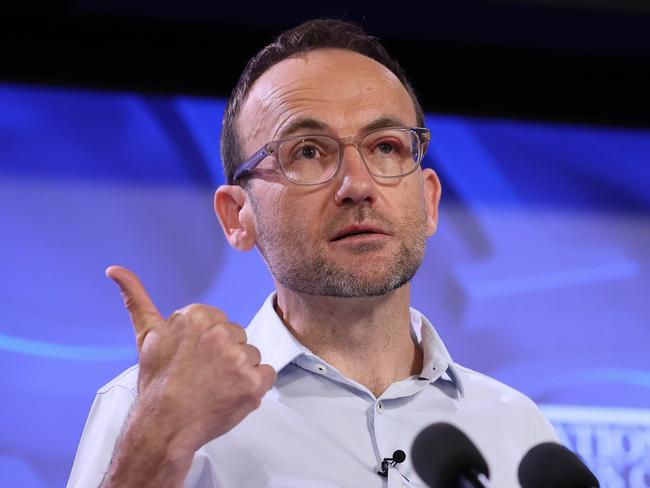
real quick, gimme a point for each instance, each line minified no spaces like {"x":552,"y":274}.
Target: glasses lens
{"x":391,"y":152}
{"x":309,"y":160}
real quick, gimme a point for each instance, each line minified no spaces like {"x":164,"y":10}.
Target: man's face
{"x":355,"y":235}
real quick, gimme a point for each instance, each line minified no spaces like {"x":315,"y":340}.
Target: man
{"x":335,"y":372}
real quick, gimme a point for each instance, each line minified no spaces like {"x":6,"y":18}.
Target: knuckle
{"x":258,"y":382}
{"x":150,"y":337}
{"x":205,"y":314}
{"x":249,"y":383}
{"x":255,"y":354}
{"x":219,"y":316}
{"x":196,"y":312}
{"x":239,"y":357}
{"x":269,"y":376}
{"x":176,"y":318}
{"x":129,"y":302}
{"x":238,"y":333}
{"x":255,"y":402}
{"x":253,"y":397}
{"x":235,"y":328}
{"x":177,"y":325}
{"x":219,"y":334}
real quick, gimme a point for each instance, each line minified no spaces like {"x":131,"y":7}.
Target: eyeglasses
{"x":314,"y":159}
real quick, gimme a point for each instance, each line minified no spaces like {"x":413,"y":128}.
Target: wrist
{"x":149,"y":453}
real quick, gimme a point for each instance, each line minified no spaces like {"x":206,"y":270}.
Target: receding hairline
{"x":304,"y":54}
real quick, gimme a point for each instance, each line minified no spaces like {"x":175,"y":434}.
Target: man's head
{"x":309,"y":36}
{"x":356,"y":235}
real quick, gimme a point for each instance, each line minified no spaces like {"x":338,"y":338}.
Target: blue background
{"x":539,"y":274}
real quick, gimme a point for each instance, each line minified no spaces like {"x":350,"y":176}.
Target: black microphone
{"x":444,"y":457}
{"x":398,"y":457}
{"x":551,"y":465}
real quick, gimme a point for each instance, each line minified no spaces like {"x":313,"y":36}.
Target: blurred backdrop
{"x":539,"y":274}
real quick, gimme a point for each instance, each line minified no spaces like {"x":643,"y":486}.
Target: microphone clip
{"x":398,"y":457}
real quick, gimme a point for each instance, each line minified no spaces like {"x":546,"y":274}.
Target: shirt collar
{"x":436,"y":361}
{"x":279,"y":347}
{"x":268,"y":333}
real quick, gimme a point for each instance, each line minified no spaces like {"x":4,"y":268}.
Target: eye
{"x":308,"y":152}
{"x":386,"y":147}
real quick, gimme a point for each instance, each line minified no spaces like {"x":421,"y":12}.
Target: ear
{"x":232,"y":206}
{"x":432,"y":193}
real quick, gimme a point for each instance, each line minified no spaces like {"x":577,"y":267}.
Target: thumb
{"x":142,"y":311}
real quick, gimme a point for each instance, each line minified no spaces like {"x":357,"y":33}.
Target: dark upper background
{"x":571,"y":60}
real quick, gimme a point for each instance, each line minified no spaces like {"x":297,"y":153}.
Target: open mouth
{"x":357,"y":232}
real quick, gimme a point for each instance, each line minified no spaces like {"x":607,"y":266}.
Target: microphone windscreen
{"x":551,"y":465}
{"x":441,"y":454}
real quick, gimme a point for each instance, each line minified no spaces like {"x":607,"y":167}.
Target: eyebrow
{"x":383,"y":122}
{"x":315,"y":124}
{"x":300,"y":124}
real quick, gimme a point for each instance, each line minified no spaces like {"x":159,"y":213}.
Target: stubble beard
{"x":302,"y":270}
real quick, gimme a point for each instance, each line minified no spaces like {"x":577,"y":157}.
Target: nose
{"x":354,"y":183}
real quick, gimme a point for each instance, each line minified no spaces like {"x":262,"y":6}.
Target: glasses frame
{"x":270,"y":148}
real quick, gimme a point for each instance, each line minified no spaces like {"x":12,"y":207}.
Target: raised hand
{"x":198,"y":377}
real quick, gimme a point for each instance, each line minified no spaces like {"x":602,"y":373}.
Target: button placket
{"x":397,"y":480}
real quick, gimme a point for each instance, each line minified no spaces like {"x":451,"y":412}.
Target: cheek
{"x":293,"y":222}
{"x":279,"y":213}
{"x":298,"y":208}
{"x":413,"y":207}
{"x":268,"y":197}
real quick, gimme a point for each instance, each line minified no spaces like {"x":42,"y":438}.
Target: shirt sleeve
{"x":103,"y":427}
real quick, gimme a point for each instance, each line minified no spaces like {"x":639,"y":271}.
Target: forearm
{"x":182,"y":404}
{"x":147,"y":455}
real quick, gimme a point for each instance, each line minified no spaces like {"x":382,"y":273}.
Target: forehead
{"x":343,"y":89}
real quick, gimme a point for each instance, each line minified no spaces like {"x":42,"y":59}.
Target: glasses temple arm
{"x":251,"y":163}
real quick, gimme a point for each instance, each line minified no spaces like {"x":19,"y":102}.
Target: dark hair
{"x":308,"y":36}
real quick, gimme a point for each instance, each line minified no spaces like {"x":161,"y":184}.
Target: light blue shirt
{"x":318,"y":429}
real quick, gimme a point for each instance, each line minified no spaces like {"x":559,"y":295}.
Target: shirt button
{"x":321,"y":368}
{"x":380,"y":406}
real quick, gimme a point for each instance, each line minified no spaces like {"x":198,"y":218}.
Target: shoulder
{"x":489,"y":393}
{"x":476,"y":383}
{"x":502,"y":404}
{"x":127,"y":381}
{"x":503,"y":422}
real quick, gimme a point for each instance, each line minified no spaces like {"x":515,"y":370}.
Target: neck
{"x":367,"y":339}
